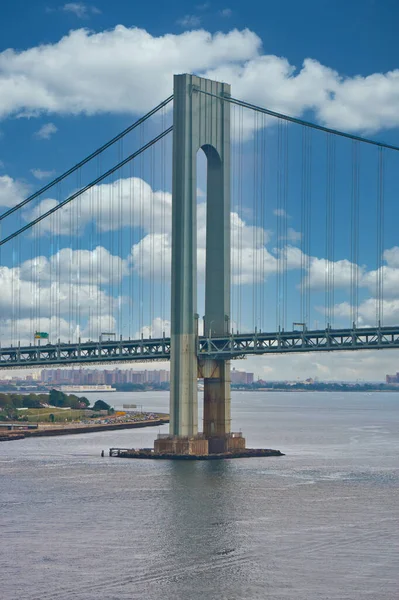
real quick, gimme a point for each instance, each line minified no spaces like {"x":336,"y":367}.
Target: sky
{"x":72,"y":75}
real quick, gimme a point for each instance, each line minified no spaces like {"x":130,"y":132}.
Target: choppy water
{"x":320,"y":523}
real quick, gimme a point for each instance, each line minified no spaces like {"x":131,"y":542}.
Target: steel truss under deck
{"x":223,"y":348}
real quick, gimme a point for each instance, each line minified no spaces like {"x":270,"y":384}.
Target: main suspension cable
{"x":87,"y":159}
{"x":88,"y":186}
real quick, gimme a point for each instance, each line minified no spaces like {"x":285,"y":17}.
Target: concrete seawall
{"x":84,"y":429}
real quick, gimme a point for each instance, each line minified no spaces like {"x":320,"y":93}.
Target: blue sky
{"x":74,"y":74}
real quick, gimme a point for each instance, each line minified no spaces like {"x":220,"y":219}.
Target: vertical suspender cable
{"x":306,"y":224}
{"x":380,"y":239}
{"x":131,"y":242}
{"x":278,"y":228}
{"x":262,"y":200}
{"x":254,"y":220}
{"x":355,"y":233}
{"x":285,"y":224}
{"x":240,"y":232}
{"x":234,"y":173}
{"x":330,"y":229}
{"x":121,"y":230}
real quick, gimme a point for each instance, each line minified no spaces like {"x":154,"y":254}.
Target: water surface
{"x":320,"y":523}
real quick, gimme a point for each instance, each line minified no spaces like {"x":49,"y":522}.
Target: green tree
{"x":57,"y":398}
{"x":72,"y":401}
{"x":31,"y":401}
{"x":101,"y":405}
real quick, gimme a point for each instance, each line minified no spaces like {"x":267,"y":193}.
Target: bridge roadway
{"x":229,"y":347}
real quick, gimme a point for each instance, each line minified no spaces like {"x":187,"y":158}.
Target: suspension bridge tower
{"x":201,"y":120}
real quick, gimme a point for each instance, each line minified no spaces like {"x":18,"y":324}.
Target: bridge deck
{"x":229,"y":347}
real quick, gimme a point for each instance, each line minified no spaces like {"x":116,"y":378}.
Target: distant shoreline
{"x":362,"y":391}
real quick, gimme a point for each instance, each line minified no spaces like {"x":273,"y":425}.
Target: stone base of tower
{"x":231,"y":442}
{"x":199,"y":445}
{"x":181,"y":445}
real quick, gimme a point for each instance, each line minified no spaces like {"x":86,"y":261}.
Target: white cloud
{"x":46,"y":131}
{"x":98,"y":324}
{"x":157,"y":329}
{"x":391,"y":256}
{"x":80,"y":10}
{"x":226,"y":13}
{"x":12,"y":191}
{"x":343,"y":273}
{"x":280,"y":212}
{"x":128,"y":202}
{"x":68,"y":284}
{"x":368,"y":311}
{"x":22,"y":330}
{"x":293,"y":236}
{"x":190,"y":21}
{"x":368,"y":365}
{"x":137,"y":68}
{"x":152,"y":255}
{"x":43,"y":296}
{"x":389,"y":277}
{"x":40,"y":174}
{"x":95,"y":267}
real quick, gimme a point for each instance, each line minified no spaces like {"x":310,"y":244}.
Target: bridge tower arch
{"x":201,"y":120}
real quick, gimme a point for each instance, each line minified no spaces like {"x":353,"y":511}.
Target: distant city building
{"x":392,"y":378}
{"x":241,"y":377}
{"x":103,"y":377}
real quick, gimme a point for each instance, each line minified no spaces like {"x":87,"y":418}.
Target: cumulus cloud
{"x":336,"y":366}
{"x":292,"y":235}
{"x":369,"y":310}
{"x":128,"y":202}
{"x":22,"y":330}
{"x":96,"y":267}
{"x":280,"y":212}
{"x":80,"y":10}
{"x":40,"y":174}
{"x":137,"y":68}
{"x":61,"y":294}
{"x":189,"y":21}
{"x":344,"y":273}
{"x":12,"y":191}
{"x":22,"y":297}
{"x":157,"y":329}
{"x":391,"y":257}
{"x":46,"y":131}
{"x":151,"y":256}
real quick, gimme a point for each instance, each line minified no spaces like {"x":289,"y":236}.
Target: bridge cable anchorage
{"x":88,"y":158}
{"x":88,"y":186}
